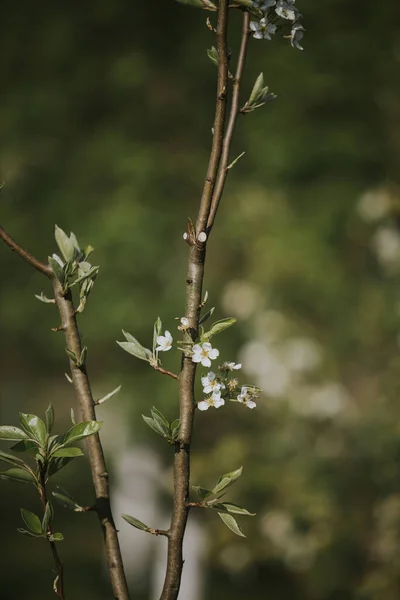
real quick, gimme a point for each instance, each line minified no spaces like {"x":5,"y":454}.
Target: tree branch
{"x":84,"y":395}
{"x":234,"y":111}
{"x":194,"y":283}
{"x":83,"y":392}
{"x":219,"y":119}
{"x":31,"y":260}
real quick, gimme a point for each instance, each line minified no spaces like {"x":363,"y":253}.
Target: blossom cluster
{"x":221,"y":387}
{"x":217,"y":388}
{"x":269,"y":11}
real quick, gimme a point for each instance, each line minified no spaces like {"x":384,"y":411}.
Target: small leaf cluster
{"x":49,"y":454}
{"x":39,"y":528}
{"x":211,"y":499}
{"x":158,"y":423}
{"x":259,"y":96}
{"x":72,"y":268}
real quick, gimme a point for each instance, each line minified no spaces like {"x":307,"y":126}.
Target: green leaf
{"x":75,"y":243}
{"x":29,"y":533}
{"x":48,"y":517}
{"x":88,"y":251}
{"x":56,"y":537}
{"x":90,"y":273}
{"x":132,"y":346}
{"x":32,"y":521}
{"x":154,"y":425}
{"x":161,"y":420}
{"x":218,"y":327}
{"x":231,"y":523}
{"x":11,"y":459}
{"x":203,"y":493}
{"x":229,"y":507}
{"x":108,"y":396}
{"x":82,"y":358}
{"x":206,"y":316}
{"x":73,"y":420}
{"x":156,"y":332}
{"x":212,"y":54}
{"x":18,"y":474}
{"x":135,"y":522}
{"x":72,"y":356}
{"x":57,"y":464}
{"x":226,"y":480}
{"x":34,"y":427}
{"x":81,"y":431}
{"x":233,"y":163}
{"x":49,"y":418}
{"x":64,"y":243}
{"x":44,"y":298}
{"x":58,"y":270}
{"x":257,"y":89}
{"x":25,"y":446}
{"x":65,"y":499}
{"x":175,"y":428}
{"x":68,"y":452}
{"x":8,"y":432}
{"x":54,"y":442}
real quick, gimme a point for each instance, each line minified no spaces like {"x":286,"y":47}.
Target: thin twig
{"x":59,"y":581}
{"x":84,"y":395}
{"x":27,"y":256}
{"x":158,"y":531}
{"x":233,"y":113}
{"x":165,"y":372}
{"x":194,"y":283}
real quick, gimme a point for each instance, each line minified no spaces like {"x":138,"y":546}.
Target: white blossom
{"x":210,"y":383}
{"x":262,"y":29}
{"x":296,"y":35}
{"x":246,"y":397}
{"x":231,"y":366}
{"x":184,"y":322}
{"x":214,"y":400}
{"x":164,"y":342}
{"x":204,"y":353}
{"x":287,"y":10}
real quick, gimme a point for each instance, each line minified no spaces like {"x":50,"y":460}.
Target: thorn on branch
{"x":59,"y":328}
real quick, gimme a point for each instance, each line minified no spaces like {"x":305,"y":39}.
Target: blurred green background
{"x":105,"y":117}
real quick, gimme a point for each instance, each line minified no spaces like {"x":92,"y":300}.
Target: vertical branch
{"x":234,"y":111}
{"x":194,"y":283}
{"x":83,"y":392}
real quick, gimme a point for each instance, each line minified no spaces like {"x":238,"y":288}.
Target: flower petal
{"x":219,"y":402}
{"x":250,"y":404}
{"x":203,"y":405}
